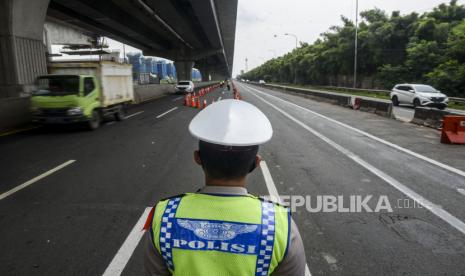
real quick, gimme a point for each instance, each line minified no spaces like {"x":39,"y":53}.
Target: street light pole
{"x":296,"y":46}
{"x":296,"y":39}
{"x":356,"y":45}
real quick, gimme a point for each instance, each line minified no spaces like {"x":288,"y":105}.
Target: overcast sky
{"x":259,"y":20}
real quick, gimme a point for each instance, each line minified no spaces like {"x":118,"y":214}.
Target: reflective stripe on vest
{"x":266,"y":239}
{"x":230,"y":237}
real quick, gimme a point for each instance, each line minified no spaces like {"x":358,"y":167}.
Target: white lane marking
{"x":219,"y":99}
{"x":163,"y":114}
{"x":269,"y":182}
{"x":307,"y":271}
{"x":126,"y":250}
{"x":271,"y":187}
{"x":433,"y":208}
{"x":35,"y":179}
{"x":135,"y":114}
{"x":176,"y":99}
{"x":462,"y":191}
{"x":110,"y":123}
{"x":417,"y":155}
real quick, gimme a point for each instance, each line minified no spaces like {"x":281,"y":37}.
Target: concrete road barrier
{"x":430,"y":117}
{"x":332,"y":98}
{"x":143,"y":93}
{"x":147,"y":92}
{"x":377,"y":106}
{"x":382,"y":108}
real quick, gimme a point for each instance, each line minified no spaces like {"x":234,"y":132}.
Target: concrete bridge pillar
{"x":184,"y":69}
{"x":22,"y":51}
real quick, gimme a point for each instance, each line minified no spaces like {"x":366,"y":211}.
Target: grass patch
{"x":456,"y":105}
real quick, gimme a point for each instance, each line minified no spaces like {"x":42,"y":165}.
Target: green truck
{"x":83,"y":92}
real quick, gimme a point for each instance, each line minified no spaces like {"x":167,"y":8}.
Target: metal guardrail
{"x":458,"y":100}
{"x":357,"y":89}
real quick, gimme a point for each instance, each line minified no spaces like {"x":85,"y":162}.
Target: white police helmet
{"x":231,"y":123}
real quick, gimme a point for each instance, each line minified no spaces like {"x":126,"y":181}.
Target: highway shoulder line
{"x":163,"y":114}
{"x":15,"y":131}
{"x":126,"y":250}
{"x":135,"y":114}
{"x":433,"y":208}
{"x":412,"y":153}
{"x":35,"y":179}
{"x":273,"y":192}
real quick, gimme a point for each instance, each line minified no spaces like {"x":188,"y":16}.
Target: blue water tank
{"x":161,"y":69}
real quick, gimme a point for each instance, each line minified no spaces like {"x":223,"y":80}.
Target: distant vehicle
{"x":261,"y":82}
{"x":418,"y":95}
{"x":83,"y":92}
{"x":184,"y":87}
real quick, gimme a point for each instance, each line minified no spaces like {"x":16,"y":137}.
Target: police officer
{"x":221,"y":229}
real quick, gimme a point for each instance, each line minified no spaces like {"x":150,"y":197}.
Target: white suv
{"x":184,"y":87}
{"x":418,"y":95}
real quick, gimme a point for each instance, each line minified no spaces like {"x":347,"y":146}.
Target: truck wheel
{"x":395,"y":101}
{"x":94,"y":121}
{"x":120,"y":114}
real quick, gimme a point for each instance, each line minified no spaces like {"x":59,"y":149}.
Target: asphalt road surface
{"x":72,"y":201}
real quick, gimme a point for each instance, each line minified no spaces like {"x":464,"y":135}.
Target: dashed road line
{"x":163,"y":114}
{"x":273,"y":192}
{"x":177,"y":99}
{"x":433,"y":208}
{"x":135,"y":114}
{"x":35,"y":179}
{"x":461,"y":191}
{"x":126,"y":250}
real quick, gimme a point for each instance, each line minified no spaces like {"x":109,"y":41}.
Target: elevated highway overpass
{"x":199,"y":32}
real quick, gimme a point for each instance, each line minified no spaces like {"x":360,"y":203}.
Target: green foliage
{"x":394,"y":48}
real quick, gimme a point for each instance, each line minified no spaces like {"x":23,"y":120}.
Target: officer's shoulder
{"x":272,"y":200}
{"x":172,"y":197}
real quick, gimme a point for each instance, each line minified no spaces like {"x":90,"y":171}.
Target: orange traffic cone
{"x":187,"y":100}
{"x":192,"y":102}
{"x":198,"y":104}
{"x":204,"y":103}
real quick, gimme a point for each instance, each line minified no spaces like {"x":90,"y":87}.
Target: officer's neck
{"x":241,"y":182}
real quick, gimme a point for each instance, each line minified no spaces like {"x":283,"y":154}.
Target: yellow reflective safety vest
{"x":205,"y":234}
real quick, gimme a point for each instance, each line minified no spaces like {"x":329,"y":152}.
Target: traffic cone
{"x":187,"y":100}
{"x":198,"y":104}
{"x":192,"y":102}
{"x":204,"y":103}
